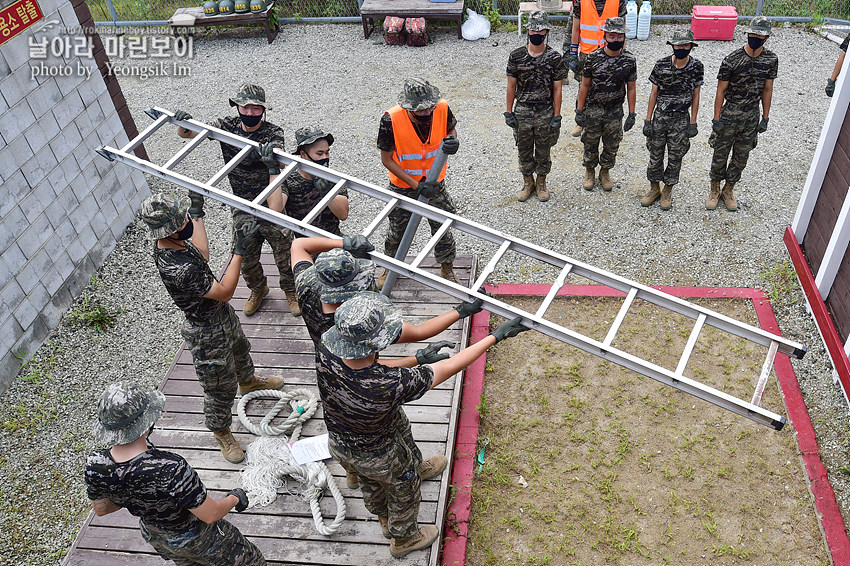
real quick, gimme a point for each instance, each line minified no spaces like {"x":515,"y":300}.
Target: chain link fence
{"x":347,"y":10}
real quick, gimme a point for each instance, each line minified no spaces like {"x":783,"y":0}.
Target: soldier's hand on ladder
{"x":467,"y":308}
{"x":267,"y":156}
{"x":243,"y":499}
{"x":450,"y":145}
{"x":358,"y":246}
{"x":182,"y":115}
{"x":196,"y":206}
{"x":243,"y":233}
{"x":830,"y":87}
{"x":432,"y":354}
{"x":509,"y":329}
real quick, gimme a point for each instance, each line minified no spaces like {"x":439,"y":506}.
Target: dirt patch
{"x":623,"y":470}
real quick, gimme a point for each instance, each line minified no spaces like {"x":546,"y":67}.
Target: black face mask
{"x":616,"y":45}
{"x":536,"y":39}
{"x":250,"y":121}
{"x":323,"y":162}
{"x":681,"y":53}
{"x":755,"y":42}
{"x":186,"y":232}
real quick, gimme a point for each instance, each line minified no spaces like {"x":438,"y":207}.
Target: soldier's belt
{"x":536,"y":104}
{"x":672,"y":112}
{"x":741,"y":106}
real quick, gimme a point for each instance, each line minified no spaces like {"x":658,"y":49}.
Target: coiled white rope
{"x":270,"y":460}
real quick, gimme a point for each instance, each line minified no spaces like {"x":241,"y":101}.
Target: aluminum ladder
{"x":567,"y":266}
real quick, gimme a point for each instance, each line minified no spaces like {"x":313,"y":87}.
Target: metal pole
{"x":112,"y":11}
{"x":413,"y":223}
{"x":759,"y":7}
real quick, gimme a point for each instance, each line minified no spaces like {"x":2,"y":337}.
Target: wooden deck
{"x":284,"y":531}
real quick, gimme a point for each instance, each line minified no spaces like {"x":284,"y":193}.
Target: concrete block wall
{"x":62,"y":207}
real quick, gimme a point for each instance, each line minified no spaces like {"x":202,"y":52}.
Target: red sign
{"x":18,"y":17}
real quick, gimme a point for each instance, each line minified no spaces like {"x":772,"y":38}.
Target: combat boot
{"x":576,"y":131}
{"x":527,"y":188}
{"x":230,"y":449}
{"x":433,"y":467}
{"x":666,"y":197}
{"x":713,"y":196}
{"x":542,"y":191}
{"x":589,"y":178}
{"x":292,"y":301}
{"x":254,"y":300}
{"x":605,"y":179}
{"x":447,"y":272}
{"x":382,"y":278}
{"x":423,"y":538}
{"x":257,"y":383}
{"x":653,"y":194}
{"x":385,"y":528}
{"x":352,"y":480}
{"x":728,"y":197}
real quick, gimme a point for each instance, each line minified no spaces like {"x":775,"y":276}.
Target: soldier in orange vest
{"x":409,"y":138}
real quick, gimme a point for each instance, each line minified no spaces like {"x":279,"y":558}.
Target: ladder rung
{"x":186,"y":149}
{"x":146,"y":133}
{"x":491,"y":265}
{"x":230,"y":166}
{"x":380,"y":217}
{"x":432,"y":242}
{"x":324,"y":202}
{"x":765,"y":373}
{"x":277,"y":182}
{"x":612,"y":332}
{"x":689,"y":347}
{"x":556,"y":286}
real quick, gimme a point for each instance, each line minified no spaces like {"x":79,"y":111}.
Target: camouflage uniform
{"x":304,"y":194}
{"x":671,"y":117}
{"x":604,"y":106}
{"x":740,"y":114}
{"x":247,"y":180}
{"x":534,"y":106}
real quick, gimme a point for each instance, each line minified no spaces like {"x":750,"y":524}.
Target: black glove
{"x":573,"y":59}
{"x":830,"y":87}
{"x":581,"y":119}
{"x":267,"y":156}
{"x":450,"y":145}
{"x":555,"y":123}
{"x":323,"y":185}
{"x":432,"y":353}
{"x":428,"y":189}
{"x":182,"y":115}
{"x":510,"y":120}
{"x":630,"y":122}
{"x":196,"y":208}
{"x":717,"y":126}
{"x":243,"y":233}
{"x":467,"y":308}
{"x":692,"y":130}
{"x":243,"y":499}
{"x":647,"y":128}
{"x":763,"y":125}
{"x":509,"y":329}
{"x":358,"y":246}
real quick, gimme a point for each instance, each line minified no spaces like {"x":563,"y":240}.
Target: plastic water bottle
{"x":644,"y":16}
{"x":631,"y":19}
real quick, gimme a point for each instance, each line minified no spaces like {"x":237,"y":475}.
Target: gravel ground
{"x":329,"y":74}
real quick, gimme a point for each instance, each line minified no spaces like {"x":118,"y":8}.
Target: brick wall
{"x":63,"y":208}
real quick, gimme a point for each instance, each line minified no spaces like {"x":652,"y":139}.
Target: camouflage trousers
{"x":606,"y":125}
{"x":739,"y":135}
{"x":216,"y":544}
{"x":669,"y":132}
{"x":222,"y":357}
{"x":280,"y":241}
{"x":534,"y":140}
{"x":389,"y":481}
{"x":444,"y":251}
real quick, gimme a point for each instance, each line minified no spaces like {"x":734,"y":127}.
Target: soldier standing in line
{"x":248,"y":179}
{"x":745,"y":78}
{"x":220,"y":351}
{"x":608,"y":76}
{"x":177,"y":517}
{"x":535,"y":78}
{"x":830,"y":82}
{"x":676,"y":84}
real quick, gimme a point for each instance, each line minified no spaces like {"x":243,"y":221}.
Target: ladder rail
{"x":278,"y":181}
{"x":689,"y":347}
{"x":324,"y":202}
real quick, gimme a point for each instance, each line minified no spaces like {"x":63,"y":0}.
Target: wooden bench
{"x":372,"y":9}
{"x":187,"y":18}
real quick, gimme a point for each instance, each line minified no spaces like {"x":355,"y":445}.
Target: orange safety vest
{"x":591,"y":36}
{"x":414,"y":156}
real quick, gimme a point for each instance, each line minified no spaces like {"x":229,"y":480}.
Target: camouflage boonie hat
{"x":759,"y":25}
{"x":615,"y":25}
{"x":682,"y":37}
{"x":311,"y":134}
{"x":365,"y":324}
{"x":341,"y":276}
{"x":418,"y":95}
{"x":125,"y":412}
{"x":164,"y":215}
{"x":538,"y":21}
{"x":250,"y":94}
